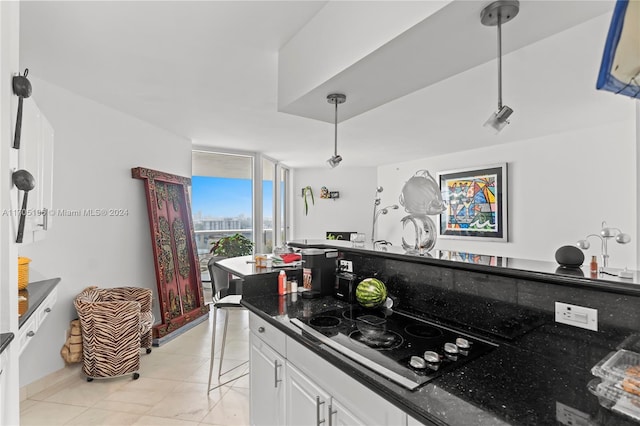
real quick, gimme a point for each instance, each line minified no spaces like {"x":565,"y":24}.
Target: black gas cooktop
{"x":406,"y":350}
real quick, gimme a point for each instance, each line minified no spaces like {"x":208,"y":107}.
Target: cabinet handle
{"x":318,"y":404}
{"x":47,"y":310}
{"x":260,"y":329}
{"x":45,"y":219}
{"x":331,"y":413}
{"x":31,"y":333}
{"x":276,"y":365}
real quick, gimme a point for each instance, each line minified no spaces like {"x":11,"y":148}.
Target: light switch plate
{"x":346,"y":266}
{"x":577,"y":316}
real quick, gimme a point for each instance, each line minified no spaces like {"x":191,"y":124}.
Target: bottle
{"x":282,"y":283}
{"x":294,"y":286}
{"x":594,"y":266}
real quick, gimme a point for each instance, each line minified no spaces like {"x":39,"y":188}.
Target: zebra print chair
{"x":116,"y":323}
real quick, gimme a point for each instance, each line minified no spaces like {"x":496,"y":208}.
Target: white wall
{"x":351,"y":212}
{"x":95,"y":149}
{"x":9,"y":48}
{"x":560,"y":189}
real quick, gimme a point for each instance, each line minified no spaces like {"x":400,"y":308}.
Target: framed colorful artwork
{"x":476,"y":203}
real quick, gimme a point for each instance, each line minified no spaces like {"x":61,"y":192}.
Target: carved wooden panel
{"x":176,"y":263}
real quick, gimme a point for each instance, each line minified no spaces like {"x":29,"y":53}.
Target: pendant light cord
{"x":499,"y":61}
{"x":335,"y":121}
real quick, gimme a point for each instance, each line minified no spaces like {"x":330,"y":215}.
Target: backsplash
{"x":453,"y":292}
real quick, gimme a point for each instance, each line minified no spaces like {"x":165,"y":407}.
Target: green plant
{"x":334,"y":237}
{"x":232,"y":246}
{"x":307,"y":191}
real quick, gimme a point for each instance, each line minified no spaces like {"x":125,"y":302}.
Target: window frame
{"x":257,"y":195}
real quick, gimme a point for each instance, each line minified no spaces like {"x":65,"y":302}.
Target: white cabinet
{"x":27,"y":332}
{"x":351,"y":403}
{"x":29,"y":329}
{"x":306,"y":402}
{"x":36,"y":156}
{"x":339,"y":415}
{"x":292,"y":385}
{"x":267,"y":375}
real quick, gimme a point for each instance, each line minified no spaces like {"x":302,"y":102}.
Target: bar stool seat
{"x":220,"y":279}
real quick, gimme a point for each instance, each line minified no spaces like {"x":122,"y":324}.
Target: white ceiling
{"x":207,"y":70}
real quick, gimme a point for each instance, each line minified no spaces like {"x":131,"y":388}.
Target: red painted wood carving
{"x":174,"y":248}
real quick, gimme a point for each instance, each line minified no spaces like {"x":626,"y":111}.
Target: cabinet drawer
{"x":27,"y":331}
{"x":268,"y":333}
{"x":47,"y":306}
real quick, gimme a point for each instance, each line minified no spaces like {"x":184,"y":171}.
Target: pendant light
{"x":335,"y":98}
{"x":496,"y":14}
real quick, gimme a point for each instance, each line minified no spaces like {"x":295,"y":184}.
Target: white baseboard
{"x":66,"y":373}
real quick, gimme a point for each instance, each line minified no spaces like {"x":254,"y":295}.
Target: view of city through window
{"x":223,"y":206}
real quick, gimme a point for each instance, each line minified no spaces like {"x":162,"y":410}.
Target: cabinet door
{"x":36,"y":156}
{"x":267,"y":371}
{"x":306,"y":402}
{"x":341,"y":416}
{"x":43,"y":218}
{"x":360,"y":404}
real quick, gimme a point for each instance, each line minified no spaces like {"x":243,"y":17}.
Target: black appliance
{"x":404,"y":349}
{"x":322,"y":263}
{"x":345,"y":286}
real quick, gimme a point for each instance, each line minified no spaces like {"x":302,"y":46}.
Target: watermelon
{"x":371,"y":292}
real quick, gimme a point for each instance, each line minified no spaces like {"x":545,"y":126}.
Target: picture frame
{"x":476,"y":203}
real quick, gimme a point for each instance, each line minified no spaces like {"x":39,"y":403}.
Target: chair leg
{"x":213,"y":347}
{"x":224,"y":340}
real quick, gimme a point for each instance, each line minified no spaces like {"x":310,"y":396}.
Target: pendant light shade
{"x":335,"y":98}
{"x":496,"y":14}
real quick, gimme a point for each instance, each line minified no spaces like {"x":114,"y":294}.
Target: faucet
{"x":377,"y":214}
{"x":376,"y":203}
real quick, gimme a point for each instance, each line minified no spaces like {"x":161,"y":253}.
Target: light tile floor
{"x":171,"y":390}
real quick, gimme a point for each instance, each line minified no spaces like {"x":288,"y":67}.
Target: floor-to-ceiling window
{"x":221,"y":197}
{"x":225,"y":199}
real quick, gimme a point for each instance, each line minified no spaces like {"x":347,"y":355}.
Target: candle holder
{"x":606,"y":233}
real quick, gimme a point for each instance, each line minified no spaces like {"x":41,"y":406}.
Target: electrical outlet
{"x":346,"y":266}
{"x":577,"y":316}
{"x":570,"y":416}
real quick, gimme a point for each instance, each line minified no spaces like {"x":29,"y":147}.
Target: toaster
{"x":345,"y":287}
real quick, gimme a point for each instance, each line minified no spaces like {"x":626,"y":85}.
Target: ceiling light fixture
{"x":335,"y":98}
{"x":496,"y":14}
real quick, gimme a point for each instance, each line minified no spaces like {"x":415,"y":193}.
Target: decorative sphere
{"x":569,"y":256}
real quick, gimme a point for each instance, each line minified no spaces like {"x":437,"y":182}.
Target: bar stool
{"x":220,"y":280}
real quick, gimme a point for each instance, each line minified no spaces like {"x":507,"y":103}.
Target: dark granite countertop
{"x":5,"y":339}
{"x":36,"y":293}
{"x":534,"y":379}
{"x":495,"y":265}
